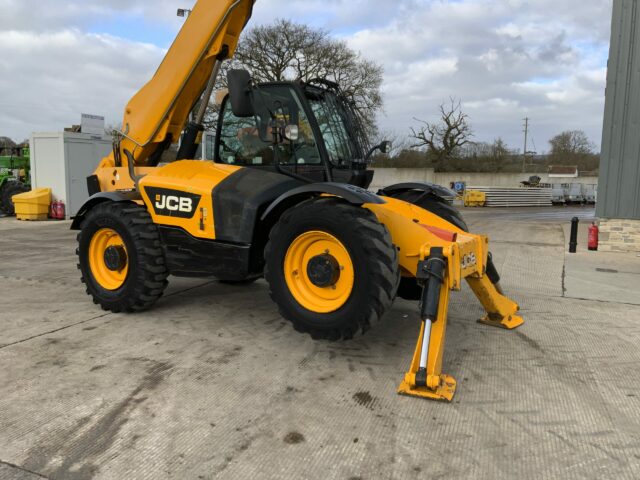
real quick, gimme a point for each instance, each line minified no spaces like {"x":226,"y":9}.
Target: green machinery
{"x":14,"y":176}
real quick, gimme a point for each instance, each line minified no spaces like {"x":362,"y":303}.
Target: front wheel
{"x":121,"y":258}
{"x":331,"y":267}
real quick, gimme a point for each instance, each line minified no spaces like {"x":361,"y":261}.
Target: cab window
{"x":249,"y":141}
{"x":340,"y":145}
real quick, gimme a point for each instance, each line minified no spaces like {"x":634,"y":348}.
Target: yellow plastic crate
{"x":474,"y":198}
{"x":33,"y":205}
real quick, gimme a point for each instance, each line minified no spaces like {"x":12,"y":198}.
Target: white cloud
{"x":540,"y":58}
{"x":55,"y":76}
{"x":513,"y":59}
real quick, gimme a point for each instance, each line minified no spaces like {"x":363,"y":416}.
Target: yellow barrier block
{"x":33,"y":205}
{"x":474,"y":198}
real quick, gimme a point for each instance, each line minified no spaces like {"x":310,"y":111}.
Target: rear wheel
{"x":332,"y":268}
{"x":120,"y":257}
{"x":10,"y":189}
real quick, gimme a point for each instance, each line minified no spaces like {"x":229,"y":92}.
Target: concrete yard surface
{"x":213,"y":383}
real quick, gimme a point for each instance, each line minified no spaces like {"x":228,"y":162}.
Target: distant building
{"x":563,"y":171}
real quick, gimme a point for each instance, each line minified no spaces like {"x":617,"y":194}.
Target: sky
{"x":505,"y":60}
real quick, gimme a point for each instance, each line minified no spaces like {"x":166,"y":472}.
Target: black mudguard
{"x":94,"y":200}
{"x":430,"y":188}
{"x":350,"y":193}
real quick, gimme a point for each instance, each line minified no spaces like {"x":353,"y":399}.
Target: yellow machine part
{"x":415,"y":233}
{"x":187,"y":176}
{"x":416,"y":230}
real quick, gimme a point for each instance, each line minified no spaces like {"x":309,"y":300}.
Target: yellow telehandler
{"x":285,"y":198}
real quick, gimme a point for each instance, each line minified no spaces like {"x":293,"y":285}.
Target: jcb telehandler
{"x":285,"y":198}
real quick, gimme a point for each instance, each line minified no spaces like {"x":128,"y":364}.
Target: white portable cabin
{"x":62,"y":161}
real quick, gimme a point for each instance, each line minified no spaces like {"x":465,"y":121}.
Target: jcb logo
{"x":173,"y":203}
{"x":469,"y":260}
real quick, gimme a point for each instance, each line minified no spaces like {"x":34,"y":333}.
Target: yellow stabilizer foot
{"x":508,"y":323}
{"x":445,"y":391}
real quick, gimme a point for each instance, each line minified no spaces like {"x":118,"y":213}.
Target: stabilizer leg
{"x":425,"y":378}
{"x":501,"y":311}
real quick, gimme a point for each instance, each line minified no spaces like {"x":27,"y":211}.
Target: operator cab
{"x":308,"y":131}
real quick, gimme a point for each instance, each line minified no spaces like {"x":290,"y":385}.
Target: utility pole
{"x":524,"y":152}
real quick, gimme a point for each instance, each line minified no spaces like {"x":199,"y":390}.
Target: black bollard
{"x":573,"y":240}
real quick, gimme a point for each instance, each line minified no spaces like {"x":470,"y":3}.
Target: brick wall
{"x":619,"y":235}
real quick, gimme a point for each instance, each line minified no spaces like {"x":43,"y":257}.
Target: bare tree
{"x":6,"y":142}
{"x":287,"y":51}
{"x":444,"y":138}
{"x":571,"y":143}
{"x":573,"y":147}
{"x":499,"y":152}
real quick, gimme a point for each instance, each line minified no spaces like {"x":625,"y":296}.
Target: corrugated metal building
{"x":619,"y":187}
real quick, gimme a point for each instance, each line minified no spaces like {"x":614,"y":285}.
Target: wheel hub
{"x":319,"y":271}
{"x":108,"y":260}
{"x":323,"y":270}
{"x":115,"y":258}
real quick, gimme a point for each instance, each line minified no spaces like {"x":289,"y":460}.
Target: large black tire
{"x":371,"y":251}
{"x":409,"y":288}
{"x":146,"y":278}
{"x":10,"y":189}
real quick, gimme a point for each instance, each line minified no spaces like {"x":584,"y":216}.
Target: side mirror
{"x":385,"y":147}
{"x":240,"y":93}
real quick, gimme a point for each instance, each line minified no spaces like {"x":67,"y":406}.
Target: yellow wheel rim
{"x":302,"y":250}
{"x":107,"y":278}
